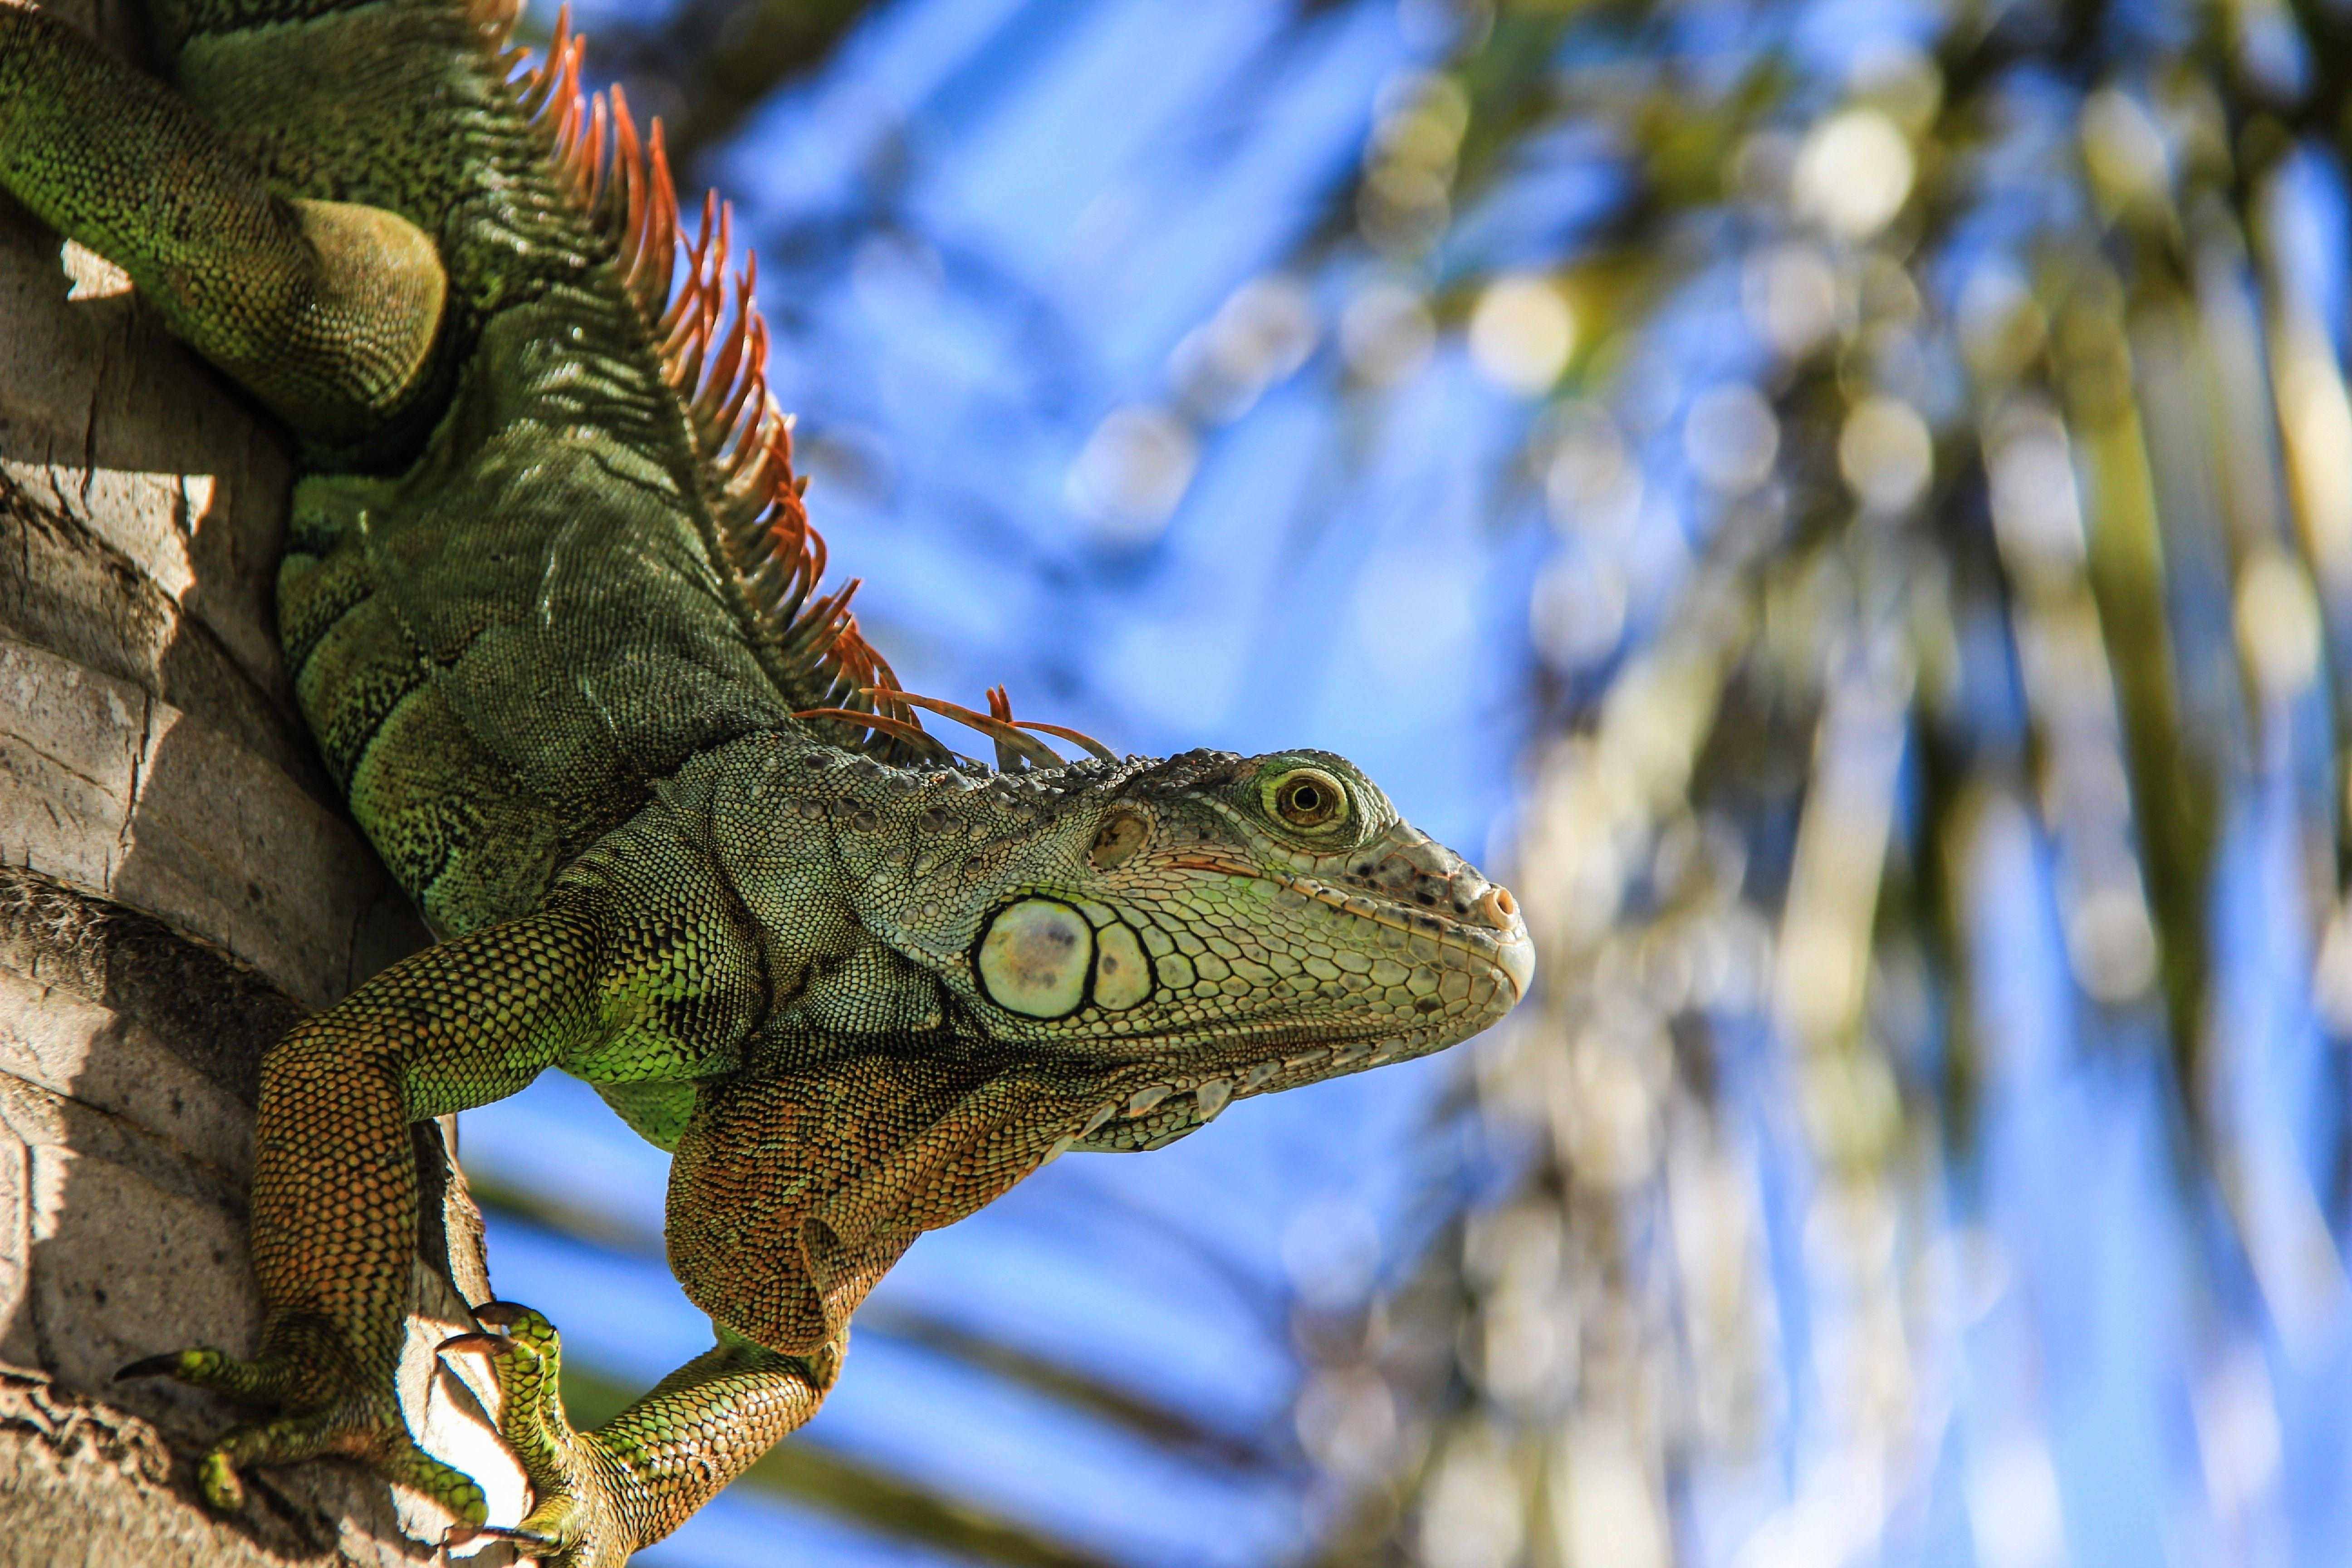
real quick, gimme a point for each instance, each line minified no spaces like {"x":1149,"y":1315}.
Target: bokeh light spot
{"x":2278,"y":622}
{"x":1133,"y":471}
{"x":1521,"y":334}
{"x":1854,"y":172}
{"x":1886,"y":453}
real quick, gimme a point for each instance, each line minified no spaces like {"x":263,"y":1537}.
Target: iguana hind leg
{"x":600,"y":1494}
{"x":326,"y":310}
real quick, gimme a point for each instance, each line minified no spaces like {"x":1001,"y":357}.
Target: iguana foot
{"x":321,"y":1415}
{"x":576,"y":1521}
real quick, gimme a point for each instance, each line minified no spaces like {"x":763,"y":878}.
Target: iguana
{"x":553,"y":607}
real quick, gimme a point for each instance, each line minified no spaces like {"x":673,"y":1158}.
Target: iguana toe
{"x":338,"y":1430}
{"x":215,"y":1370}
{"x":409,"y":1466}
{"x":463,"y":1534}
{"x":319,"y":1414}
{"x":526,"y":1354}
{"x":288,"y":1440}
{"x":217,"y":1479}
{"x":512,"y":1318}
{"x":575,"y":1522}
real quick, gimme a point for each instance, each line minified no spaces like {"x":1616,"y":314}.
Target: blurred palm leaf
{"x":888,"y":1505}
{"x":705,"y":65}
{"x":2004,"y":419}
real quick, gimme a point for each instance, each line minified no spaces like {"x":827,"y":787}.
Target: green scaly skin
{"x":859,"y":990}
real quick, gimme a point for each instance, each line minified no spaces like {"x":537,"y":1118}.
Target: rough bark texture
{"x":177,"y":885}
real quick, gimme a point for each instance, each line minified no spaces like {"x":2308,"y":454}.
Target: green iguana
{"x":551,"y":604}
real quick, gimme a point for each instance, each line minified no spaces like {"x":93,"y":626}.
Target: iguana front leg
{"x":635,"y":965}
{"x":326,"y":310}
{"x":335,"y":1194}
{"x":601,"y":1494}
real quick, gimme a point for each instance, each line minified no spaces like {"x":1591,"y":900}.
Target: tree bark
{"x":178,"y":884}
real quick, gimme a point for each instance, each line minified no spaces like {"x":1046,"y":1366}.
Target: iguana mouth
{"x":1508,"y":950}
{"x":1151,"y":1114}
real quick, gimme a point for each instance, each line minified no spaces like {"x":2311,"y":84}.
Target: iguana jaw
{"x":1149,"y":1103}
{"x":1504,"y":943}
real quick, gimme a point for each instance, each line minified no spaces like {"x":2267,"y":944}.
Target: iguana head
{"x":1101,"y":956}
{"x":1209,"y":926}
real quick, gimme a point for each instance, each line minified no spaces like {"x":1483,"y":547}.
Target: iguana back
{"x":578,"y":558}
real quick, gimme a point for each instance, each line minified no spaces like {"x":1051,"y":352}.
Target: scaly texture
{"x":551,"y":603}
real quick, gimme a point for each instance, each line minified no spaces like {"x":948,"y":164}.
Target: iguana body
{"x":550,"y":605}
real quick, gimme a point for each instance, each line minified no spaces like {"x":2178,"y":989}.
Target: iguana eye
{"x":1306,"y":799}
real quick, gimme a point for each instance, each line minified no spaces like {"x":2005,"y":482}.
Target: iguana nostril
{"x":1497,"y":908}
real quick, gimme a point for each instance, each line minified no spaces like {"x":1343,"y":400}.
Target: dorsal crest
{"x":713,"y":348}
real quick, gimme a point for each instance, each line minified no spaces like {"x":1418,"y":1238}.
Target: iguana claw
{"x":464,"y":1534}
{"x":462,"y":1344}
{"x":576,"y":1520}
{"x":149,"y":1366}
{"x":320,"y":1414}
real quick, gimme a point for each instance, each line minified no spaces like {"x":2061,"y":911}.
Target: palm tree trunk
{"x":178,"y":884}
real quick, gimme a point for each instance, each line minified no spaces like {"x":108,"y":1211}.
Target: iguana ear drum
{"x":1033,"y":958}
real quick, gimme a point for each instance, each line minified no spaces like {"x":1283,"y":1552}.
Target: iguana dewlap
{"x":551,"y":603}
